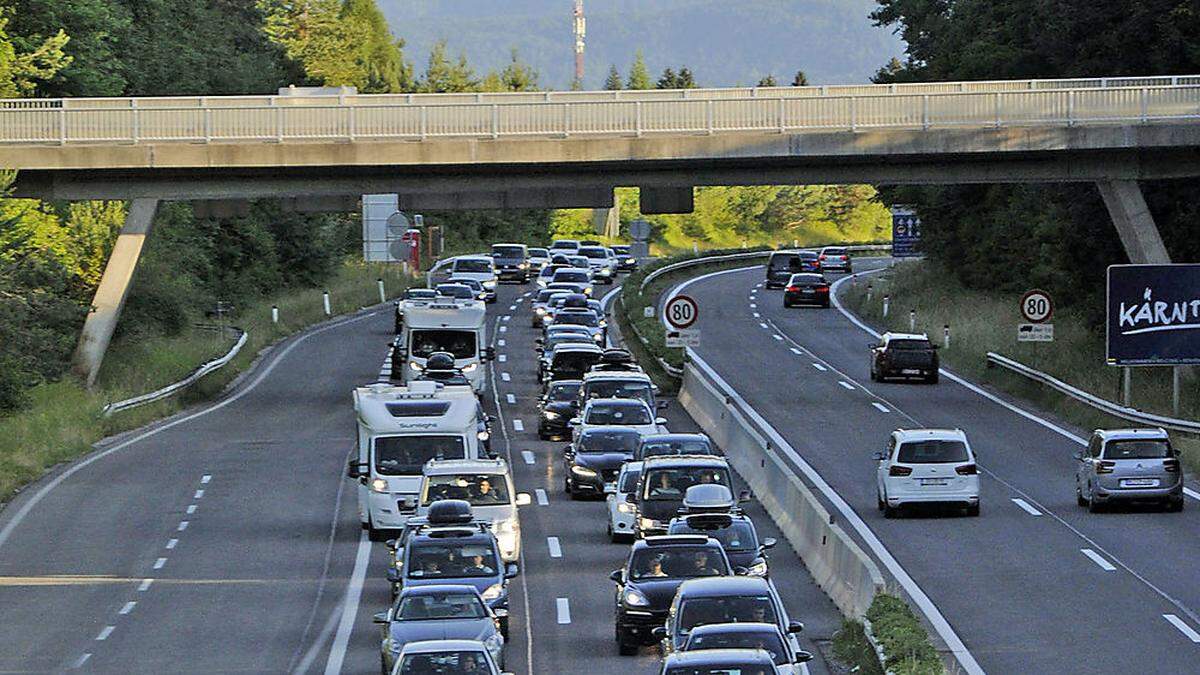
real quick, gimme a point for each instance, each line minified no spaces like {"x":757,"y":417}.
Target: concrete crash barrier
{"x":840,"y":567}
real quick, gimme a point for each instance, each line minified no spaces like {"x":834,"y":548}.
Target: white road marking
{"x":819,"y":367}
{"x":846,"y":384}
{"x":506,"y":317}
{"x":337,"y":653}
{"x":1183,"y":627}
{"x":542,"y":498}
{"x":128,"y":607}
{"x":158,"y":564}
{"x":506,"y":377}
{"x":880,"y":407}
{"x":105,"y":632}
{"x":753,"y":305}
{"x":1096,"y":558}
{"x":518,"y":425}
{"x":80,"y":661}
{"x":145,"y":585}
{"x":501,"y":342}
{"x":512,"y":308}
{"x":205,"y":478}
{"x":503,"y":329}
{"x":503,"y":358}
{"x":778,"y":337}
{"x":510,"y":398}
{"x":1025,"y":506}
{"x":172,"y":543}
{"x":555,"y":548}
{"x":527,"y":456}
{"x":191,"y":509}
{"x":762,"y":324}
{"x":1191,"y":493}
{"x":795,"y":351}
{"x":199,"y":494}
{"x":564,"y":611}
{"x":182,"y":525}
{"x":756,"y":315}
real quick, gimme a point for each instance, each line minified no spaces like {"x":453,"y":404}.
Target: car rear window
{"x":1137,"y":449}
{"x":726,"y":609}
{"x":784,"y":261}
{"x":834,"y":251}
{"x":538,"y":252}
{"x":571,"y":277}
{"x":932,"y":452}
{"x":508,"y":251}
{"x":618,"y":413}
{"x":472,"y":266}
{"x":909,"y":345}
{"x":808,"y":279}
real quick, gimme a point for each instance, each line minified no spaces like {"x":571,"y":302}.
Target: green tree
{"x":639,"y":76}
{"x":613,"y":81}
{"x":315,"y":34}
{"x":95,"y":58}
{"x":380,"y":57}
{"x":768,"y":81}
{"x":443,"y":75}
{"x":685,"y":79}
{"x":21,"y":71}
{"x":518,"y":76}
{"x":800,"y":79}
{"x":668,"y":79}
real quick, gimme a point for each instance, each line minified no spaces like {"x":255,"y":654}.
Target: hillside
{"x":723,"y":43}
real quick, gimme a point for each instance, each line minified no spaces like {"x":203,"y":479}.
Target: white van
{"x":442,"y":325}
{"x":399,"y":430}
{"x":486,"y":484}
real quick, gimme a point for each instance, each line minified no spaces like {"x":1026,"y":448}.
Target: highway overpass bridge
{"x":570,"y":149}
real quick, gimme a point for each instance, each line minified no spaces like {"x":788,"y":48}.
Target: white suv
{"x":929,"y":466}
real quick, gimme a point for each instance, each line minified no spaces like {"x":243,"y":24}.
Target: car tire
{"x":1079,"y":496}
{"x":504,"y":628}
{"x":890,"y":511}
{"x":874,"y":375}
{"x":879,"y":503}
{"x":626,"y":649}
{"x":383,"y":665}
{"x":375,"y":534}
{"x":973,"y":511}
{"x":1093,"y":504}
{"x":932,"y":379}
{"x":1175,"y":505}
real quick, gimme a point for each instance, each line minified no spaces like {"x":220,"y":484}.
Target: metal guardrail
{"x":1131,"y":414}
{"x":172,"y":389}
{"x":283,"y":119}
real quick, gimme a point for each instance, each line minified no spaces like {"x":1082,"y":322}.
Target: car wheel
{"x":626,"y":649}
{"x":879,"y":503}
{"x":874,"y":375}
{"x":1175,"y":505}
{"x":973,"y":511}
{"x":504,"y":628}
{"x":1079,"y":496}
{"x":383,"y":665}
{"x":567,"y":485}
{"x":890,"y":511}
{"x":376,"y":534}
{"x":1093,"y":504}
{"x":932,"y":379}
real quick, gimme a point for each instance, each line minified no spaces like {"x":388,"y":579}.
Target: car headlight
{"x":550,"y":415}
{"x":379,"y":486}
{"x":523,"y":266}
{"x":649,"y":524}
{"x":491,"y":283}
{"x":634,"y":598}
{"x":587,"y":291}
{"x":415,"y":366}
{"x":483,"y":435}
{"x":625,"y":507}
{"x":598,"y":337}
{"x":582,"y":471}
{"x":470,"y":367}
{"x":494,"y":591}
{"x":758,"y":569}
{"x":541,"y":311}
{"x":542,"y":282}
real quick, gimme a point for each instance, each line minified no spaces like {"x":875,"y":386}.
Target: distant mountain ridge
{"x":724,"y":42}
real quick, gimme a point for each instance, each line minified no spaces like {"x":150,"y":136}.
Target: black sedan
{"x":806,"y":289}
{"x":558,"y":405}
{"x":592,"y":463}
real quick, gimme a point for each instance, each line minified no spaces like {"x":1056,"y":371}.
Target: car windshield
{"x":445,"y":663}
{"x":932,"y":452}
{"x":1137,"y":449}
{"x":781,"y":262}
{"x":593,"y":252}
{"x":460,"y":343}
{"x":807,"y":255}
{"x":550,"y":270}
{"x":508,"y":252}
{"x":570,"y":277}
{"x":420,"y":294}
{"x":579,"y":261}
{"x":484,"y":489}
{"x":456,"y":291}
{"x":569,"y":245}
{"x":673,"y":483}
{"x":909,"y":345}
{"x":633,"y":389}
{"x":727,"y":669}
{"x":545,"y":294}
{"x":472,"y":266}
{"x":448,"y":560}
{"x":834,"y":251}
{"x":621,"y":250}
{"x":725,"y":609}
{"x":608,"y":440}
{"x":538,"y":253}
{"x":808,"y":279}
{"x":768,"y":641}
{"x":573,"y":362}
{"x":629,"y":481}
{"x":406,"y":455}
{"x":577,"y":319}
{"x":685,"y":447}
{"x":739,"y":536}
{"x":676,"y":562}
{"x":564,"y":392}
{"x":439,"y":607}
{"x":617,"y":413}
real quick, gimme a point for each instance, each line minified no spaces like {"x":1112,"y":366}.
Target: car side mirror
{"x":660,"y":420}
{"x":523,"y":499}
{"x":511,"y":570}
{"x":575,"y":421}
{"x":659,"y":633}
{"x":617,"y":576}
{"x":381,"y":617}
{"x":795,"y":627}
{"x":489,"y":353}
{"x":871,"y":347}
{"x":769,"y":543}
{"x":391,"y":544}
{"x":802,"y":657}
{"x":568,"y":451}
{"x":357,"y":469}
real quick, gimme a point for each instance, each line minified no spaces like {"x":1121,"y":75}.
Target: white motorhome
{"x":442,"y":325}
{"x":399,"y":430}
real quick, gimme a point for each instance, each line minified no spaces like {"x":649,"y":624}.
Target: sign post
{"x":1037,"y":308}
{"x":681,"y":313}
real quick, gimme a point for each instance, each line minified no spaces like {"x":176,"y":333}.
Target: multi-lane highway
{"x":226,"y":538}
{"x":1036,"y":584}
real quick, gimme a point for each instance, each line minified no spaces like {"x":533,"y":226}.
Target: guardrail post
{"x":708,"y":116}
{"x":495,"y":121}
{"x":912,"y":320}
{"x":274,"y":313}
{"x":137,"y":120}
{"x":637,"y":106}
{"x":869,"y":289}
{"x":946,"y":336}
{"x":325,"y":302}
{"x":1145,"y":96}
{"x":382,"y":294}
{"x":886,"y":303}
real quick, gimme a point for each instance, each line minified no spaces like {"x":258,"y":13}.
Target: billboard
{"x":906,"y":234}
{"x":1153,"y":316}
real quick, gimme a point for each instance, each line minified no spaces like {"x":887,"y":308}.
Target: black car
{"x":737,"y":534}
{"x":904,"y":355}
{"x":511,"y":262}
{"x":675,"y":444}
{"x":559,"y":404}
{"x":806,"y":289}
{"x":570,"y":361}
{"x":625,"y":261}
{"x":665,"y":481}
{"x":783,"y":264}
{"x":740,"y":661}
{"x":647,"y":583}
{"x":545,"y":348}
{"x":592,"y":462}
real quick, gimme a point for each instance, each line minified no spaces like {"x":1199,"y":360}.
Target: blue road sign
{"x":1153,"y":315}
{"x":906,"y":234}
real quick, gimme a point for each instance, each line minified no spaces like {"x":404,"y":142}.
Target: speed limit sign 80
{"x":681,"y":312}
{"x":1036,"y":306}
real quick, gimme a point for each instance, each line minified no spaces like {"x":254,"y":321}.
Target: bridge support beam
{"x":666,"y":200}
{"x":1135,"y":225}
{"x":114,"y":287}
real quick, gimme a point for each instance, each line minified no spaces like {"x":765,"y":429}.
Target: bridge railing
{"x":217,"y":121}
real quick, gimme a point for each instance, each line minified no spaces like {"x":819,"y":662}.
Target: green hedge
{"x":905,"y":642}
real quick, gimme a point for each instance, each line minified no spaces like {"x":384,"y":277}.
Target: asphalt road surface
{"x":1034,"y":585}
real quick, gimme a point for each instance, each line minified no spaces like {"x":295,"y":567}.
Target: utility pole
{"x":580,"y":32}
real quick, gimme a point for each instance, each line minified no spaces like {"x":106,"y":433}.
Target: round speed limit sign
{"x":681,"y":312}
{"x":1036,"y":306}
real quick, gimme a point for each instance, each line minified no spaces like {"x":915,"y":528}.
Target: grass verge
{"x":851,"y":647}
{"x":905,"y":642}
{"x":986,"y":321}
{"x":64,"y":420}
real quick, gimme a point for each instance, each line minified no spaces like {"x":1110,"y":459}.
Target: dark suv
{"x":905,"y":356}
{"x":783,"y":264}
{"x":646,"y":584}
{"x":511,"y":262}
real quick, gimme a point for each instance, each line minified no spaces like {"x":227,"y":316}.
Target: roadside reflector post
{"x":868,"y":292}
{"x":382,"y":294}
{"x":274,"y":313}
{"x":325,"y":300}
{"x":912,"y":320}
{"x":946,"y":336}
{"x":886,"y":302}
{"x":695,"y":248}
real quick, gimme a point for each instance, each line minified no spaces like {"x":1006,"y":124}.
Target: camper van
{"x":443,"y":324}
{"x":399,"y":430}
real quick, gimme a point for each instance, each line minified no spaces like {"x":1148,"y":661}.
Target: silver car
{"x":1128,"y":465}
{"x":443,"y":612}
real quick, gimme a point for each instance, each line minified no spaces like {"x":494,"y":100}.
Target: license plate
{"x":807,"y":292}
{"x":932,"y":481}
{"x":1139,"y":482}
{"x":910,"y":371}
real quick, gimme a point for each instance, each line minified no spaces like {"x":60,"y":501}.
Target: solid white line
{"x":542,"y":498}
{"x":762,"y":324}
{"x":128,"y":607}
{"x":80,"y":661}
{"x":105,"y":632}
{"x":501,"y":342}
{"x":1026,"y":507}
{"x":182,"y":525}
{"x":795,"y":351}
{"x":199,"y":494}
{"x":510,"y":398}
{"x":158,"y":564}
{"x":1183,"y":627}
{"x":880,"y":407}
{"x":819,"y":367}
{"x":564,"y":611}
{"x":1096,"y":558}
{"x":778,"y":337}
{"x":518,"y":425}
{"x":527,"y":456}
{"x":846,"y":384}
{"x":555,"y":548}
{"x":191,"y":508}
{"x":171,"y":543}
{"x":205,"y":478}
{"x":506,"y":377}
{"x":1191,"y":493}
{"x":145,"y":585}
{"x":337,"y":653}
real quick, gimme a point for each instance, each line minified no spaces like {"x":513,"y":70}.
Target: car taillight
{"x":966,"y":470}
{"x":845,"y":257}
{"x":1171,"y":465}
{"x":822,"y":289}
{"x":1105,"y":467}
{"x":821,"y":257}
{"x":792,"y":289}
{"x":900,"y":471}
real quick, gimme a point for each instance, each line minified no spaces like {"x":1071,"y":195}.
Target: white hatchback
{"x":927,"y":466}
{"x":622,"y":514}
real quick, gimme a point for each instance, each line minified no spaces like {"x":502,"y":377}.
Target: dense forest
{"x":1055,"y":236}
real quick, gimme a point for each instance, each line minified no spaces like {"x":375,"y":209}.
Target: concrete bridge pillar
{"x":114,"y":287}
{"x":1133,"y":220}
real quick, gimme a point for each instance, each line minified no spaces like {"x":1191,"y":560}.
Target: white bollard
{"x":325,"y":298}
{"x":912,"y":320}
{"x":946,"y":336}
{"x":886,"y":302}
{"x":404,"y":267}
{"x":382,"y":294}
{"x":274,"y":313}
{"x":868,"y":292}
{"x":695,"y":248}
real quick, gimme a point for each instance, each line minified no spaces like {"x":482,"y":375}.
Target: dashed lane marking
{"x":205,"y":478}
{"x":501,"y":342}
{"x":846,"y":385}
{"x":1178,"y":623}
{"x":172,"y":543}
{"x":880,"y":407}
{"x":80,"y":661}
{"x":542,"y":498}
{"x":1098,"y":559}
{"x":191,"y":509}
{"x":554,"y":546}
{"x":512,"y":308}
{"x":819,"y":367}
{"x":778,"y":337}
{"x":518,"y":425}
{"x":158,"y":564}
{"x":753,"y":305}
{"x":1026,"y":507}
{"x":1191,"y":493}
{"x":510,"y":398}
{"x":756,"y":315}
{"x":183,"y":525}
{"x":527,"y":456}
{"x":762,"y":324}
{"x":564,"y":611}
{"x":105,"y":632}
{"x":199,"y":494}
{"x":506,"y":377}
{"x":128,"y":607}
{"x":506,"y":317}
{"x":503,"y":329}
{"x":145,"y":585}
{"x":795,"y":351}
